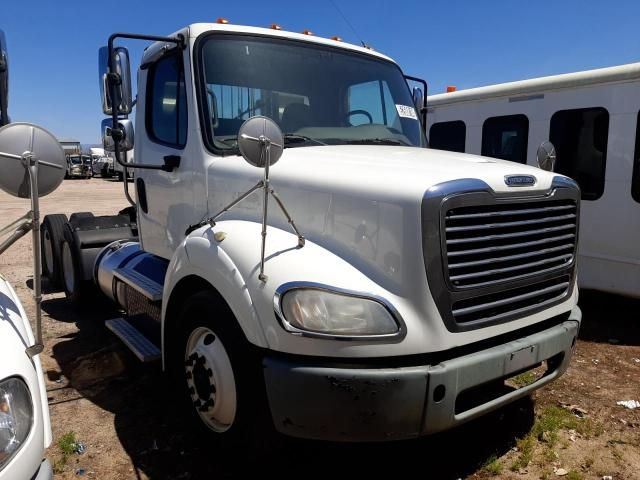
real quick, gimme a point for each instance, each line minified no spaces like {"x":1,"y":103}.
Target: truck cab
{"x":413,"y":283}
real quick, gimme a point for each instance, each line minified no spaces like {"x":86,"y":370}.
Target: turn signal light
{"x":275,"y":26}
{"x":451,"y":88}
{"x":221,"y":20}
{"x":307,"y":32}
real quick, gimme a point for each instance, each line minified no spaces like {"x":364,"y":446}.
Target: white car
{"x":25,"y":428}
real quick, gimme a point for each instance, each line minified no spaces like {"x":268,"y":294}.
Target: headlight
{"x":321,"y":311}
{"x":16,"y":417}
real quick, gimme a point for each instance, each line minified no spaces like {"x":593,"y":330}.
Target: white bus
{"x":592,"y":119}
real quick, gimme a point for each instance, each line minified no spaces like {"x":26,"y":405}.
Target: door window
{"x":166,"y":102}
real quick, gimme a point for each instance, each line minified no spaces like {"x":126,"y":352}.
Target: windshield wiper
{"x":295,"y":138}
{"x":379,"y":141}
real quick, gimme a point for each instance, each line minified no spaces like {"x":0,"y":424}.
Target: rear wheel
{"x":52,"y":234}
{"x":76,"y":288}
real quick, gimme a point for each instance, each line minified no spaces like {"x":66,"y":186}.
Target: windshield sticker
{"x":406,"y":111}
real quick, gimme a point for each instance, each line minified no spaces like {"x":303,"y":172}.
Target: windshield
{"x":317,"y":95}
{"x":75,"y":160}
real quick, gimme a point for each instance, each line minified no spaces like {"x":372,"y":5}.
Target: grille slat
{"x":519,"y":223}
{"x":560,"y":258}
{"x":492,"y":249}
{"x":511,"y":246}
{"x":509,"y":212}
{"x":535,"y":253}
{"x":512,"y":235}
{"x":508,"y":300}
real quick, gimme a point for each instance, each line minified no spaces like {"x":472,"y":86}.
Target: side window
{"x":448,"y":136}
{"x":635,"y":178}
{"x":580,"y":137}
{"x":166,"y":102}
{"x":506,"y":137}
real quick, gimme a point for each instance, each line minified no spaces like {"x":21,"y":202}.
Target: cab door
{"x":164,"y":198}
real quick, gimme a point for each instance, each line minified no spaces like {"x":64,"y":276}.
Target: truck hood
{"x":412,"y":170}
{"x":363,"y":203}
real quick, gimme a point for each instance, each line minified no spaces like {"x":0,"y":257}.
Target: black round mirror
{"x":16,"y":139}
{"x":546,"y":156}
{"x":254,"y":135}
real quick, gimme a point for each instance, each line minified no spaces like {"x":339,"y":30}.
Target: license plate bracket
{"x":521,"y":359}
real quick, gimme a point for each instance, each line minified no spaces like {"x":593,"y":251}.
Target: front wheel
{"x":218,"y":372}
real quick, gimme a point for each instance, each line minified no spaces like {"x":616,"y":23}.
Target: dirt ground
{"x":125,"y":415}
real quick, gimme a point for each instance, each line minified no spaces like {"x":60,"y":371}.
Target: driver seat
{"x":295,"y":116}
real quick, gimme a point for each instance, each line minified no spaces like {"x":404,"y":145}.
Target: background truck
{"x":592,"y":119}
{"x":389,"y":292}
{"x":25,"y":429}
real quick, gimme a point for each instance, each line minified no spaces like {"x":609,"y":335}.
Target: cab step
{"x":141,"y":346}
{"x":143,"y":284}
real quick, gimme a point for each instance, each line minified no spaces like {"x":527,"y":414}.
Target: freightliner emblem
{"x":520,"y":180}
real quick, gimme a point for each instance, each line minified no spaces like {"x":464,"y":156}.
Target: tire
{"x":104,"y":173}
{"x":51,"y":236}
{"x":76,"y":289}
{"x":120,"y":176}
{"x":218,"y":374}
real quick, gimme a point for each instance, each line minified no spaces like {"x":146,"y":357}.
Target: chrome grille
{"x":492,"y":244}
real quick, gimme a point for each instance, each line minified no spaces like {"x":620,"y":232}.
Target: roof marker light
{"x":275,"y":26}
{"x":336,"y":38}
{"x":222,"y":21}
{"x":307,"y":32}
{"x":451,"y":88}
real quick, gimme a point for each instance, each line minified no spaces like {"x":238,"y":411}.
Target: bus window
{"x":635,"y":178}
{"x":580,"y":137}
{"x":448,"y":136}
{"x":506,"y":137}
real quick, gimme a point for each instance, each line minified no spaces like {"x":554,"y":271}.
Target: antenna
{"x":346,"y":20}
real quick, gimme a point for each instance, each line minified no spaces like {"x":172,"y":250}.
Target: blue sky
{"x":53,"y":45}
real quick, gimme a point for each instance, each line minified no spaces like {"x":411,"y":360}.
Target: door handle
{"x":171,"y":162}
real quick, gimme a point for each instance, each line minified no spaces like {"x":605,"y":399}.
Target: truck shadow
{"x":609,"y":318}
{"x":161,"y":444}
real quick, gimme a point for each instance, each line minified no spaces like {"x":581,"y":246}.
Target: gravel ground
{"x":126,"y":416}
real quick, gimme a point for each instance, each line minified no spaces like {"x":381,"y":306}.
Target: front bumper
{"x":376,"y":404}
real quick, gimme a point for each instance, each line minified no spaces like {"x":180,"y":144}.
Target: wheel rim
{"x":48,"y":252}
{"x":67,"y":268}
{"x":210,"y":379}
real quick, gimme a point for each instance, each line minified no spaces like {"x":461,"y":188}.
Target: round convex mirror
{"x":15,"y":140}
{"x":546,"y":156}
{"x":250,"y":145}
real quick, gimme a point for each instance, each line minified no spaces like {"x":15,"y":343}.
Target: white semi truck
{"x":390,"y":290}
{"x":25,"y":429}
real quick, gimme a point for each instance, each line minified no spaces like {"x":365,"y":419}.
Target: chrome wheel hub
{"x":210,"y":379}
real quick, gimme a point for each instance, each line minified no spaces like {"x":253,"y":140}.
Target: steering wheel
{"x":359,"y":112}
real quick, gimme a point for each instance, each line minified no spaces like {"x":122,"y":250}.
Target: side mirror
{"x":120,"y":75}
{"x":546,"y":156}
{"x":21,"y":142}
{"x":254,"y":134}
{"x":4,"y":80}
{"x":124,"y":135}
{"x":418,"y":99}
